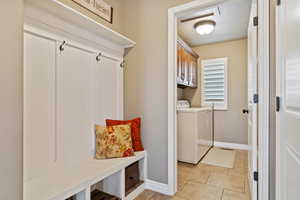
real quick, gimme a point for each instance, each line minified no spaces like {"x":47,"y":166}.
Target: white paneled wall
{"x":106,"y":93}
{"x":74,"y":104}
{"x":39,"y":104}
{"x":65,"y":94}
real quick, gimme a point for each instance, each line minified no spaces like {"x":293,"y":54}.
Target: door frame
{"x":279,"y":62}
{"x":263,"y":90}
{"x":253,"y":110}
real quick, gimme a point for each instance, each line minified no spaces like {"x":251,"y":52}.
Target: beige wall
{"x":230,"y":125}
{"x":146,"y":78}
{"x":11,"y":13}
{"x":117,"y":12}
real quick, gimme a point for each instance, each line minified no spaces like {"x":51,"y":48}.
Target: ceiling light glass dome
{"x":205,"y":27}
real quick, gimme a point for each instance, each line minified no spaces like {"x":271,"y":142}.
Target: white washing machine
{"x":194,"y":132}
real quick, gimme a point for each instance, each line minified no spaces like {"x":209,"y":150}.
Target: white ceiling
{"x":231,"y":17}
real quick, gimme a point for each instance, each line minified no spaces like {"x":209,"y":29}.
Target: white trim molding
{"x":231,"y":145}
{"x":157,"y":187}
{"x":263,"y":105}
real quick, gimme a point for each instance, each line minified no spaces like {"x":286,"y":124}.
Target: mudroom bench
{"x":79,"y":181}
{"x":70,"y":62}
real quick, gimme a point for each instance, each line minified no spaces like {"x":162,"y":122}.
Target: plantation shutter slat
{"x":214,"y":82}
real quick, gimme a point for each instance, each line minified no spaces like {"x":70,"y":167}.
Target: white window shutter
{"x":214,"y":83}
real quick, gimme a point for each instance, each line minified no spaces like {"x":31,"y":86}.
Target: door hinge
{"x":255,"y":21}
{"x":255,"y":176}
{"x":278,"y":2}
{"x":255,"y":98}
{"x":277,"y":104}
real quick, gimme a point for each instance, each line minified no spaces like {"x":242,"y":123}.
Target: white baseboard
{"x":231,"y":145}
{"x":157,"y":187}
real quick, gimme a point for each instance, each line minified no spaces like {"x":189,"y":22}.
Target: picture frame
{"x":97,"y":7}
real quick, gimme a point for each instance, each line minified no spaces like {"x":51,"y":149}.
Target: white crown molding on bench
{"x":157,"y":187}
{"x":231,"y":145}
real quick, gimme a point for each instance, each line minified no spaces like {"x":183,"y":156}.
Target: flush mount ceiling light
{"x":205,"y":27}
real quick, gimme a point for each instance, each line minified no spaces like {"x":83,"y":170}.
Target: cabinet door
{"x":108,"y":90}
{"x":193,"y":72}
{"x":39,"y":105}
{"x":179,"y":61}
{"x":182,"y":66}
{"x":186,"y":68}
{"x":189,"y":69}
{"x":74,"y":104}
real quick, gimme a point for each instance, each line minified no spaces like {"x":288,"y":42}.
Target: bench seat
{"x":61,"y":183}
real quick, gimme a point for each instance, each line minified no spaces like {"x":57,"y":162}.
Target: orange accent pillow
{"x":135,"y":131}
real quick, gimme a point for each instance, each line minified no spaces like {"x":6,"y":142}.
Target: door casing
{"x":252,"y":106}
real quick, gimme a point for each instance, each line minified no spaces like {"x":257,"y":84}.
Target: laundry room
{"x":212,"y":93}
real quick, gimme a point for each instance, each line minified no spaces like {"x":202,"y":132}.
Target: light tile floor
{"x":207,"y":182}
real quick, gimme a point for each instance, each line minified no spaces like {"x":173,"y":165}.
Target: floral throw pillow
{"x":113,"y":141}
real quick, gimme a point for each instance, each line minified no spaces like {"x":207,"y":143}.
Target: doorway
{"x":262,"y":54}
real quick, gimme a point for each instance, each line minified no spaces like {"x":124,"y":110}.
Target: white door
{"x":288,"y":89}
{"x":252,"y":107}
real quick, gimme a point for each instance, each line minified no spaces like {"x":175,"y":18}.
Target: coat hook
{"x":122,"y":65}
{"x":61,"y":47}
{"x":98,"y":57}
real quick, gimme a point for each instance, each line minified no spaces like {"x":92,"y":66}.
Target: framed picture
{"x":98,"y":7}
